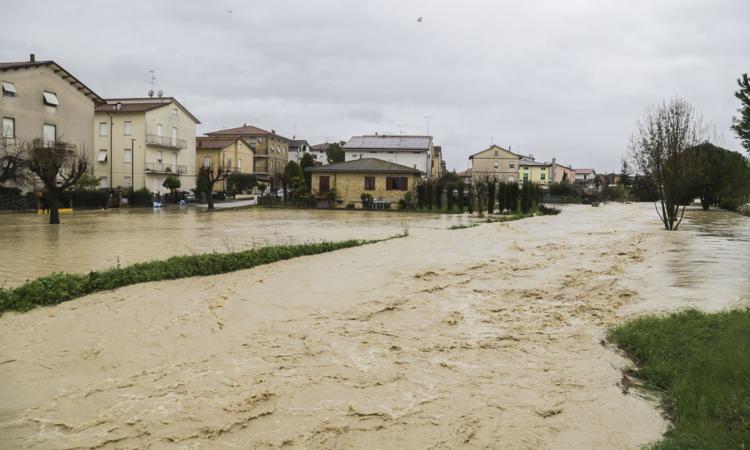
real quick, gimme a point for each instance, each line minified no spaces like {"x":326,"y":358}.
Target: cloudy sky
{"x":550,"y":78}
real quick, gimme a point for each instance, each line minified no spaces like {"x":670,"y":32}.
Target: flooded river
{"x":101,"y":239}
{"x":484,"y":337}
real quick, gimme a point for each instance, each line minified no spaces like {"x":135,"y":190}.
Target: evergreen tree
{"x":741,"y":125}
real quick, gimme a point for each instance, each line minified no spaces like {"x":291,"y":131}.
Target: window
{"x":9,"y":89}
{"x":497,"y":164}
{"x":229,"y":163}
{"x":369,"y":183}
{"x":239,"y":164}
{"x":158,"y":129}
{"x":128,"y":128}
{"x":103,"y":182}
{"x":102,"y":156}
{"x":49,"y":133}
{"x":174,"y":136}
{"x":512,"y":164}
{"x":396,"y":183}
{"x":206,"y":161}
{"x":526,"y":177}
{"x":324,"y":184}
{"x":9,"y":127}
{"x":159,"y":156}
{"x":51,"y":99}
{"x":511,"y":179}
{"x":497,"y":153}
{"x":102,"y":128}
{"x":127,"y":155}
{"x":127,"y":182}
{"x":543,"y":176}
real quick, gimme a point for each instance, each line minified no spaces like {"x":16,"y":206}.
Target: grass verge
{"x":700,"y":362}
{"x":61,"y":287}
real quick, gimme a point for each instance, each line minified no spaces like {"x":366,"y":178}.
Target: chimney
{"x":32,"y":57}
{"x":273,"y":131}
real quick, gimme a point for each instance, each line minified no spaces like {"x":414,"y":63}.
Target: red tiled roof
{"x":245,"y":130}
{"x":213,"y":143}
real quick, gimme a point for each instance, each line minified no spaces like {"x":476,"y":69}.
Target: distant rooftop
{"x":213,"y":143}
{"x":140,"y":104}
{"x":245,"y":130}
{"x":388,"y":142}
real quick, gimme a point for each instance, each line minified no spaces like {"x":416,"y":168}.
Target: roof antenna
{"x":152,"y":83}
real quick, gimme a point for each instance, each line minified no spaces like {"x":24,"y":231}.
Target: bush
{"x":367,"y":200}
{"x":350,"y":205}
{"x":61,"y":287}
{"x":548,"y":210}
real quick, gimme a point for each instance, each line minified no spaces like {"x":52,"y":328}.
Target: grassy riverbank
{"x":700,"y":363}
{"x":61,"y":287}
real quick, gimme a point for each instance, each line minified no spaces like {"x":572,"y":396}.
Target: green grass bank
{"x":700,"y":363}
{"x":61,"y":287}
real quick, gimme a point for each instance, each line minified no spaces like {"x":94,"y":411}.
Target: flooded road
{"x":98,"y":240}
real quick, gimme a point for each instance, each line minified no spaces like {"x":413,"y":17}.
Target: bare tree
{"x":58,"y":165}
{"x":209,"y":176}
{"x":659,"y":149}
{"x":12,"y":167}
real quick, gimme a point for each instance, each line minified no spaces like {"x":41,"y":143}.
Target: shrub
{"x":548,"y":210}
{"x":367,"y":200}
{"x":350,"y":205}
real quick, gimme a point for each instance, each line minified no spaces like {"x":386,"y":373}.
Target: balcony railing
{"x":53,"y":145}
{"x":175,"y":169}
{"x":165,"y":141}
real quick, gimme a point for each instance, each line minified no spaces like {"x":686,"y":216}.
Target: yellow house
{"x":385,"y":181}
{"x":536,"y":172}
{"x":495,"y":162}
{"x":271,"y":151}
{"x":139,"y":142}
{"x":233,"y":154}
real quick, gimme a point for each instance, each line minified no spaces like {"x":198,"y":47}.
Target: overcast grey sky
{"x":551,"y":78}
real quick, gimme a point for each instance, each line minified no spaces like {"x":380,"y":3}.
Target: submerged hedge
{"x":60,"y":287}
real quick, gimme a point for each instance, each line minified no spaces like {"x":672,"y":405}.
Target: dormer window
{"x":50,"y":99}
{"x":9,"y":89}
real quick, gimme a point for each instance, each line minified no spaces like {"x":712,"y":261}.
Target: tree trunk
{"x":705,"y":203}
{"x":210,"y":195}
{"x":54,"y":210}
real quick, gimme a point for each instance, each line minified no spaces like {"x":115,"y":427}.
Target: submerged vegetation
{"x":700,"y":362}
{"x":60,"y":287}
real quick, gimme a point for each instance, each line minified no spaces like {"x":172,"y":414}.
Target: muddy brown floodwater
{"x":485,"y":337}
{"x":101,"y":239}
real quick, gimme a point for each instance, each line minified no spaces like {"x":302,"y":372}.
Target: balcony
{"x":172,"y":169}
{"x":165,"y":141}
{"x":52,"y":145}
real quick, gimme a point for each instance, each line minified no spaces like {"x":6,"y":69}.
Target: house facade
{"x":43,"y":102}
{"x":232,"y":154}
{"x":297,"y":149}
{"x":585,"y":177}
{"x":385,"y":181}
{"x":271,"y":151}
{"x":560,"y":172}
{"x":141,"y":141}
{"x":410,"y":151}
{"x":319,"y":153}
{"x":496,"y":162}
{"x":534,"y":171}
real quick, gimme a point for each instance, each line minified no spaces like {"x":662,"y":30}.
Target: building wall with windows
{"x":26,"y":111}
{"x":236,"y":156}
{"x":538,"y":173}
{"x":350,"y":186}
{"x":495,"y":162}
{"x":143,"y":142}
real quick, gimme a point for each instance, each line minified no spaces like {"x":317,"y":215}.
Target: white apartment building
{"x":410,"y":151}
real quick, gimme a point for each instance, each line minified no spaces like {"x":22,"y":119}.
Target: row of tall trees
{"x":484,"y":194}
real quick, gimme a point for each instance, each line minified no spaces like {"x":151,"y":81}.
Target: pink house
{"x":561,"y":172}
